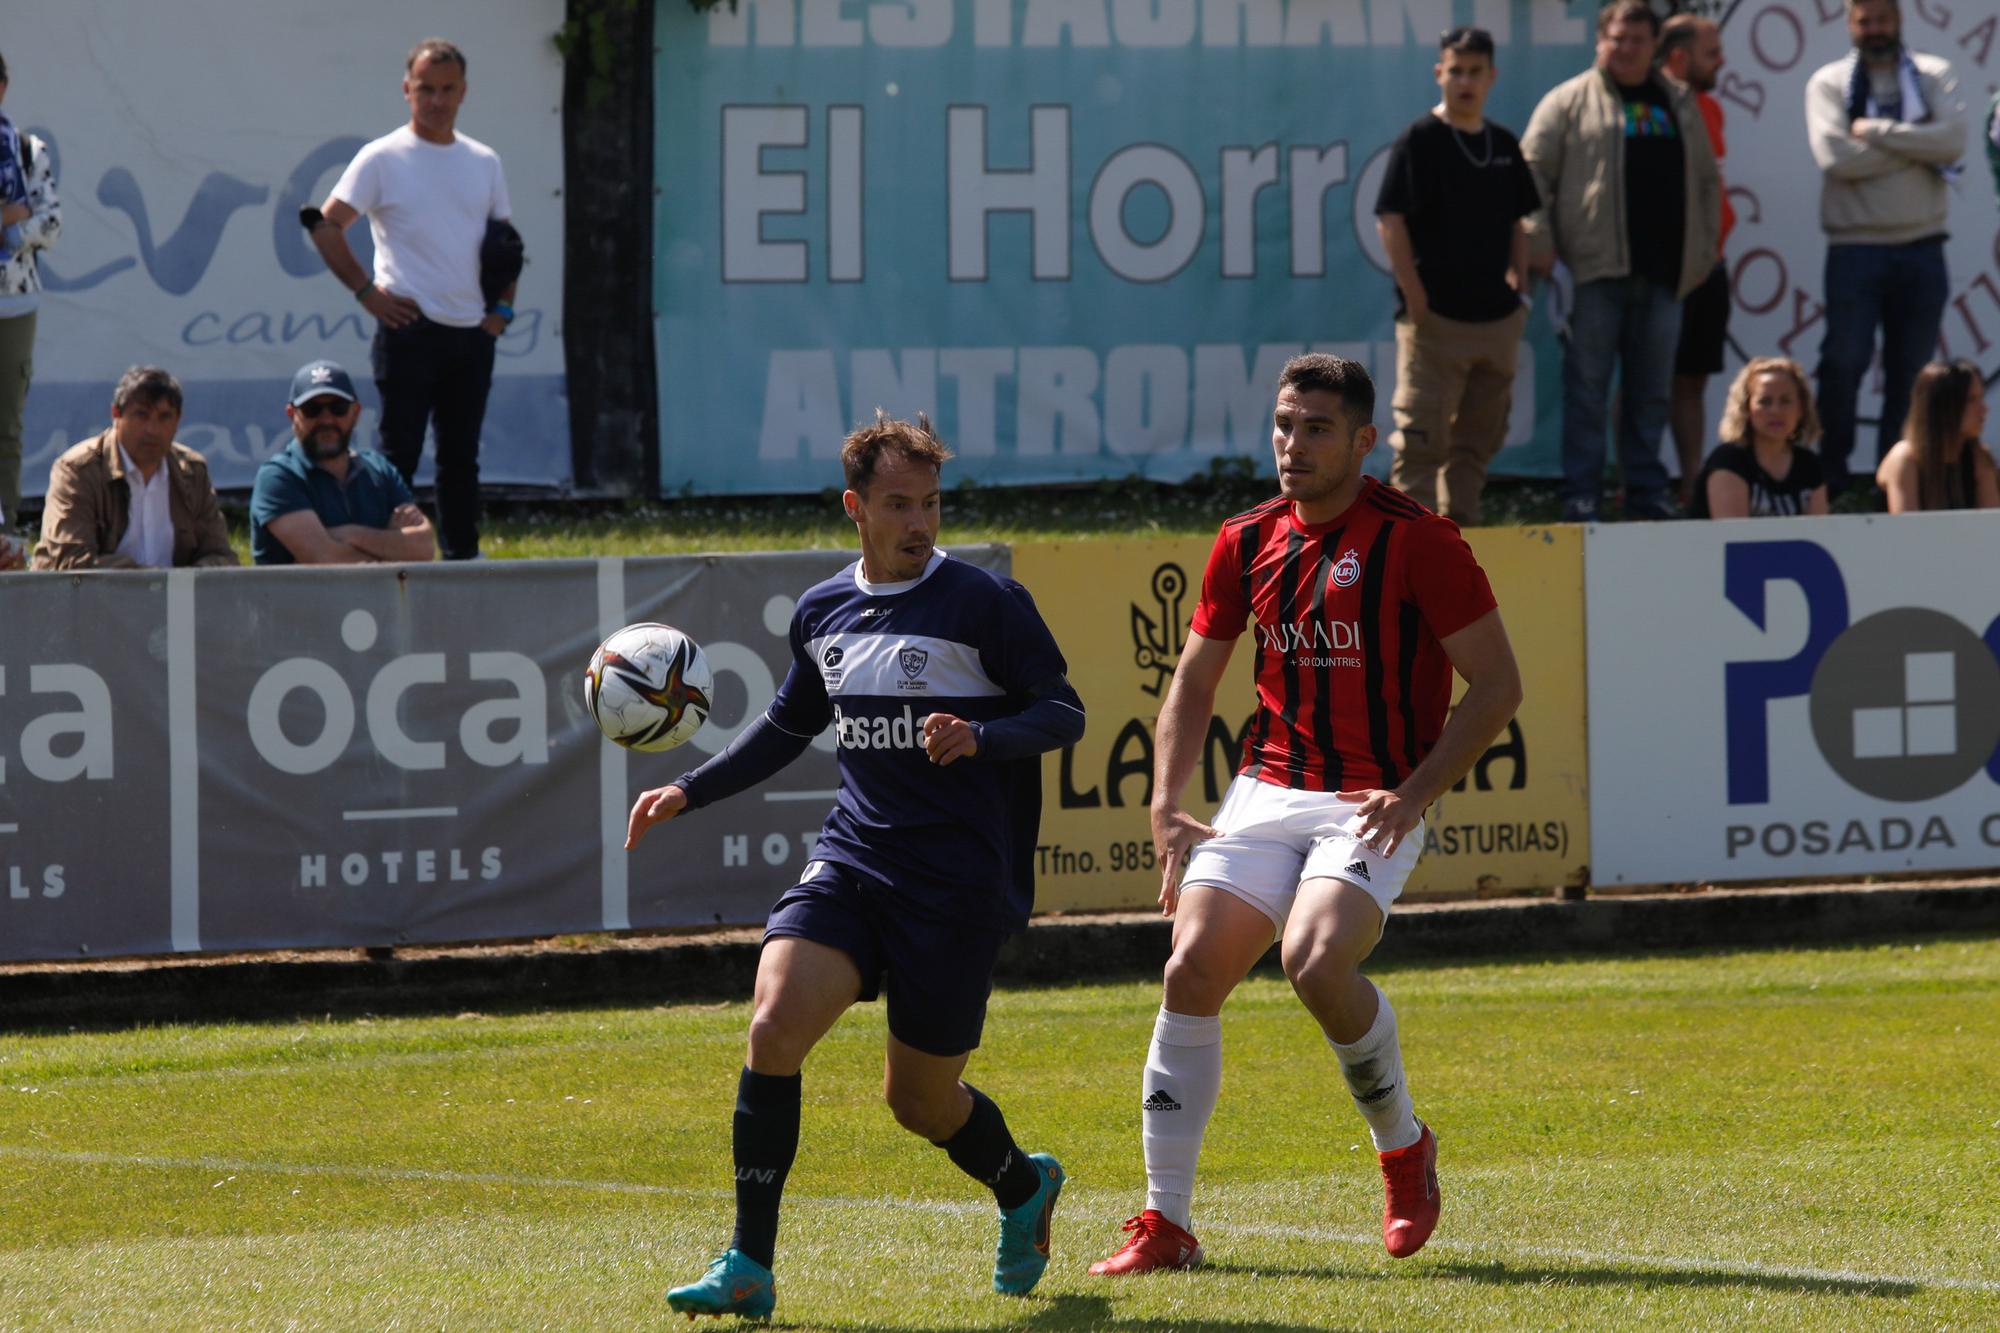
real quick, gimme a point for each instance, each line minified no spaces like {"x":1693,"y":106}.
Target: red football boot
{"x":1410,"y":1195}
{"x":1155,"y":1243}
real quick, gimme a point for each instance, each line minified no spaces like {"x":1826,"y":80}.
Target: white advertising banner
{"x":185,"y":138}
{"x":1793,"y":697}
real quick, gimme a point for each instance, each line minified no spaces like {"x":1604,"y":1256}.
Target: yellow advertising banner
{"x":1120,"y":610}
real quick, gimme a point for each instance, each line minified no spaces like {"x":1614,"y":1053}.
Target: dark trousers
{"x":1900,"y":289}
{"x":435,"y":375}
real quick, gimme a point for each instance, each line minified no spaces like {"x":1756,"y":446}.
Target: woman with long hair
{"x":1762,"y":467}
{"x":1940,"y":463}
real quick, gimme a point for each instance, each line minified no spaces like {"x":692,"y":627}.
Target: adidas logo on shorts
{"x":1357,"y":870}
{"x":1159,"y":1101}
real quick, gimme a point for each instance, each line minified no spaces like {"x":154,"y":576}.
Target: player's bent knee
{"x":776,"y":1047}
{"x":1197,"y":983}
{"x":1317,"y":964}
{"x":923,"y":1112}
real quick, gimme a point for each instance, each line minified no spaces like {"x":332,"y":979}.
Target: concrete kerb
{"x":1053,"y":951}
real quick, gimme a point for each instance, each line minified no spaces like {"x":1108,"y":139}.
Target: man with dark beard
{"x":319,"y":502}
{"x":1887,"y":127}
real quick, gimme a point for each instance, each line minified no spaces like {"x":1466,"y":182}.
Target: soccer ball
{"x":648,"y":687}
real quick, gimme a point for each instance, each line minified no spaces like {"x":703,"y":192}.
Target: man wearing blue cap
{"x":318,"y":501}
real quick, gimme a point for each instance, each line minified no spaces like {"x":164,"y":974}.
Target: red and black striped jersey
{"x":1352,"y":685}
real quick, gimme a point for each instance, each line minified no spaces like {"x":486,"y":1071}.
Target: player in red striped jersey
{"x":1361,"y":603}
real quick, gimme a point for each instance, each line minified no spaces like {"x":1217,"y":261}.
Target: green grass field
{"x":1791,"y":1139}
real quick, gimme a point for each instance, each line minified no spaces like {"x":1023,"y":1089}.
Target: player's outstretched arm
{"x":1177,"y":742}
{"x":759,"y":750}
{"x":653,"y":807}
{"x":1482,"y":655}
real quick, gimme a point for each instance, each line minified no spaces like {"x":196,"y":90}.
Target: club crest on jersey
{"x":1347,"y":568}
{"x":912,"y":661}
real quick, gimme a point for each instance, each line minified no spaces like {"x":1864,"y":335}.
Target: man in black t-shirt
{"x":1632,"y":204}
{"x":1450,"y":214}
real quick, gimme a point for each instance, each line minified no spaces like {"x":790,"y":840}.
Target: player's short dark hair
{"x":435,"y":48}
{"x":3,"y":69}
{"x":1676,"y":33}
{"x":1467,"y":41}
{"x":1626,"y":10}
{"x":148,"y":385}
{"x":861,"y":451}
{"x":1319,"y":372}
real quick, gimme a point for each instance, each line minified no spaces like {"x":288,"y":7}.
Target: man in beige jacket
{"x":132,"y":497}
{"x":1632,"y":203}
{"x":1887,"y":127}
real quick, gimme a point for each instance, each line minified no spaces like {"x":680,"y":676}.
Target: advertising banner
{"x":1083,"y":236}
{"x":304,"y":758}
{"x":394,"y":756}
{"x":186,"y":137}
{"x":1517,"y":820}
{"x":1794,"y":697}
{"x":85,"y":806}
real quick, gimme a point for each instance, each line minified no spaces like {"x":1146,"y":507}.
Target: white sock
{"x":1373,"y":1068}
{"x":1183,"y":1078}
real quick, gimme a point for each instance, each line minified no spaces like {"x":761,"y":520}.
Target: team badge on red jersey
{"x":1347,"y":568}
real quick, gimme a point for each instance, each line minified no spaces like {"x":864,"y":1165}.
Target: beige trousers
{"x":1454,"y":389}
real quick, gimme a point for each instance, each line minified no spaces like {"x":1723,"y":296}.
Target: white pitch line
{"x":414,"y":812}
{"x":1658,"y":1262}
{"x":800,"y":795}
{"x":357,"y":1172}
{"x":1664,"y":1262}
{"x":10,"y":828}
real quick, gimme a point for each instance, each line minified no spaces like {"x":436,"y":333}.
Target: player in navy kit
{"x":943,"y":687}
{"x":1361,"y":604}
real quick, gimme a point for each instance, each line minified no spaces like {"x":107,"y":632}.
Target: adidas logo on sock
{"x":1357,"y":869}
{"x":1159,"y":1101}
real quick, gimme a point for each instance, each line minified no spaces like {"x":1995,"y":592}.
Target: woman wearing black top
{"x":1940,"y":463}
{"x":1762,"y":469}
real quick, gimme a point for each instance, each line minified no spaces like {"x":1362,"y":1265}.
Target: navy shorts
{"x":936,"y":973}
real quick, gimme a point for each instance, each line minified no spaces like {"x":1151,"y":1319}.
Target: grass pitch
{"x":1793,"y":1139}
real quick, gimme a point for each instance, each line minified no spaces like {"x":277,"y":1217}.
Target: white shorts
{"x":1271,"y":839}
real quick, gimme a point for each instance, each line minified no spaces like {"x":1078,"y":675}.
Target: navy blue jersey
{"x":872,"y":660}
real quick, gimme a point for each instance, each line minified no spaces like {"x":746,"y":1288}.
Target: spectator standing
{"x":1762,"y":467}
{"x":1887,"y":127}
{"x":1940,"y":462}
{"x":1631,"y":202}
{"x":429,"y":193}
{"x":133,"y":497}
{"x":30,"y":221}
{"x":319,"y":501}
{"x":1450,"y":214}
{"x":1691,"y":55}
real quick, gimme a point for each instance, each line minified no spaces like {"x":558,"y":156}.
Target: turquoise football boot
{"x":734,"y":1284}
{"x":1024,"y":1232}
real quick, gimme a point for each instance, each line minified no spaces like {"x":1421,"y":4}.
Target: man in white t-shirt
{"x":428,"y":193}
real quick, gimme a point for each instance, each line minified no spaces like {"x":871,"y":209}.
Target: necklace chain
{"x":1457,"y":138}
